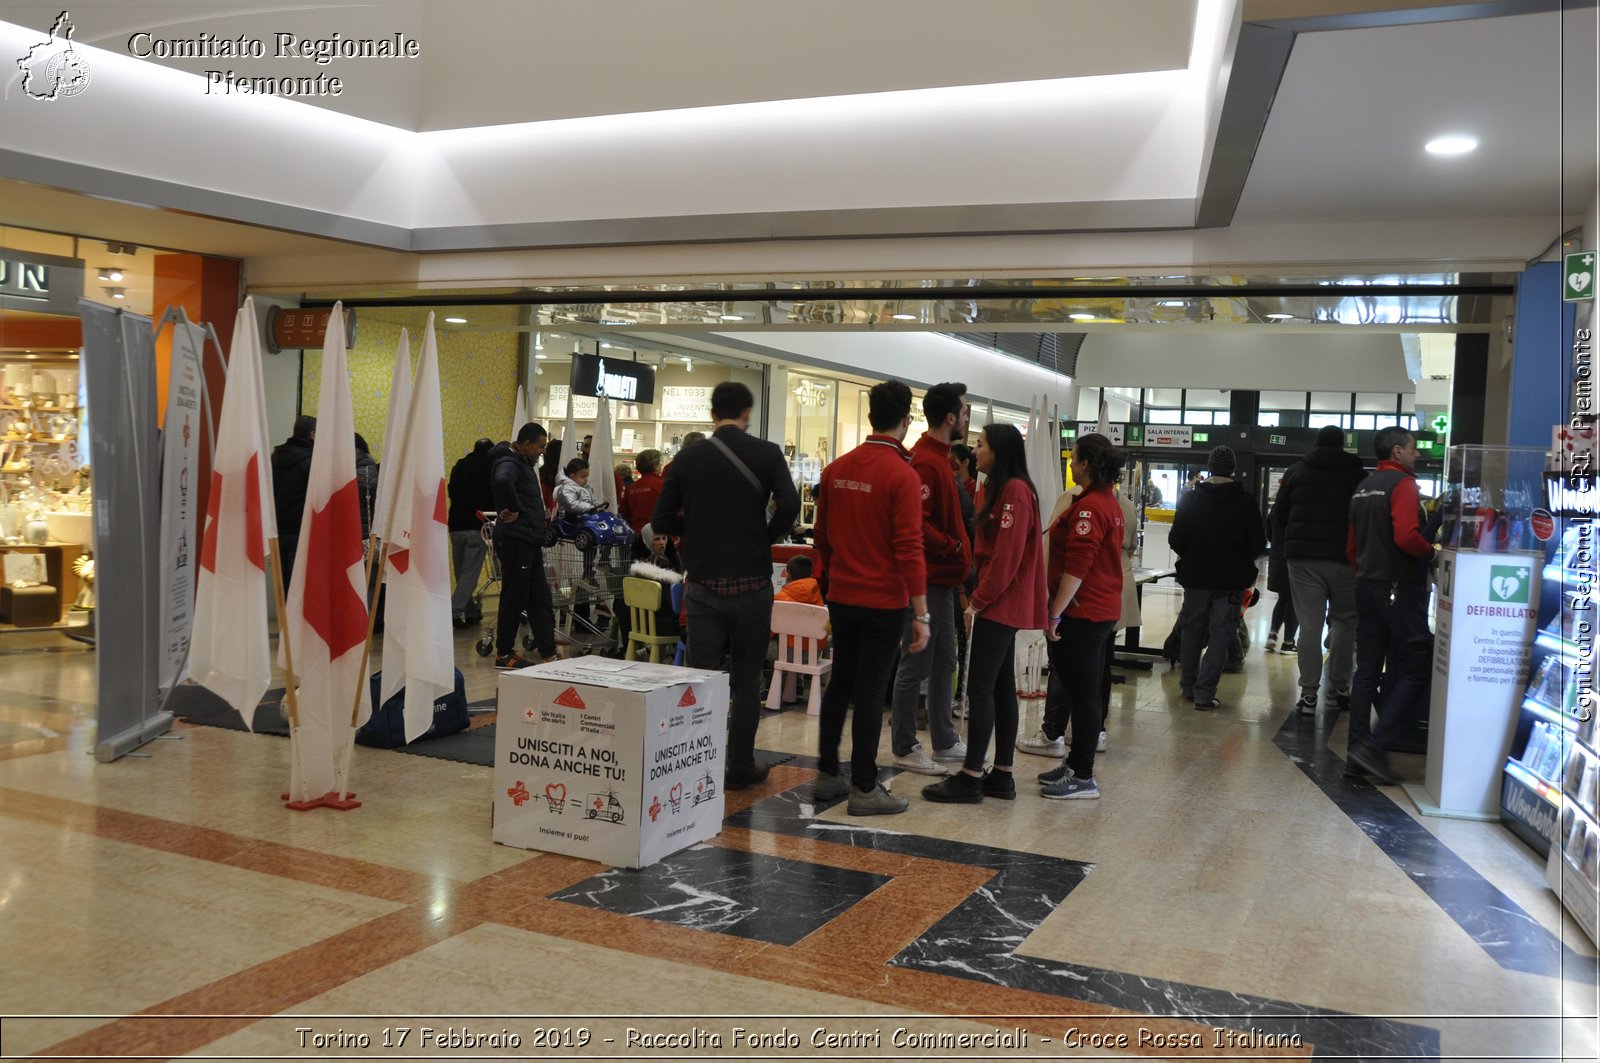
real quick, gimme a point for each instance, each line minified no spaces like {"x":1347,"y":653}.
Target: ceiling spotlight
{"x":455,"y":321}
{"x":538,"y":342}
{"x":121,"y":249}
{"x":1453,"y":144}
{"x":111,"y":274}
{"x":1082,"y":317}
{"x":688,"y":365}
{"x":117,"y":293}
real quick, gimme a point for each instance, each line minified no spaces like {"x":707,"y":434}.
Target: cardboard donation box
{"x":614,"y":761}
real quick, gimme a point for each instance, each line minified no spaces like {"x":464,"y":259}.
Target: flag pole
{"x":291,"y":695}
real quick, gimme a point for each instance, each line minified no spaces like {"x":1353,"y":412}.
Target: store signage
{"x":40,"y":283}
{"x":1160,"y":435}
{"x":584,"y":407}
{"x":1543,"y":525}
{"x":1578,"y":277}
{"x":680,"y":403}
{"x":1113,"y":432}
{"x":291,"y":328}
{"x":1570,"y":496}
{"x":613,"y":378}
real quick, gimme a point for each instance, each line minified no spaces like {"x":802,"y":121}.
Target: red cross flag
{"x":418,"y":651}
{"x":325,"y":616}
{"x":229,"y":652}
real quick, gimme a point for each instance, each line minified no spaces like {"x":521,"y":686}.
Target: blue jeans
{"x":864,"y":642}
{"x":735,"y":626}
{"x":466,"y":557}
{"x":1080,"y":659}
{"x":1210,"y":617}
{"x":1392,"y":626}
{"x":992,"y":695}
{"x":936,"y":665}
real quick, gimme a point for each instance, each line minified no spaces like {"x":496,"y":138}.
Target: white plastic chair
{"x":801,"y":630}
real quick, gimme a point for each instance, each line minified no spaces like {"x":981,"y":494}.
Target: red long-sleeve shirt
{"x":944,"y":533}
{"x":1010,"y":587}
{"x":868,"y":528}
{"x":1086,"y":541}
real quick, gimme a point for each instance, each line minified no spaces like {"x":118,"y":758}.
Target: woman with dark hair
{"x":547,"y":476}
{"x":965,"y":467}
{"x":1009,"y":597}
{"x":1085,"y":580}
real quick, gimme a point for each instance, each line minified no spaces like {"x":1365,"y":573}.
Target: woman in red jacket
{"x":1009,"y":597}
{"x":1085,"y":579}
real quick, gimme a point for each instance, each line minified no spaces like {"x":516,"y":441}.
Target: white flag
{"x":229,"y":652}
{"x":383,"y":510}
{"x":602,"y":477}
{"x":521,"y":417}
{"x":326,"y":613}
{"x":418,"y":651}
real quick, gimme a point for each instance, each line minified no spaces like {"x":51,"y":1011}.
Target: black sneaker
{"x":1288,"y":647}
{"x":999,"y":785}
{"x":1307,"y":703}
{"x":1372,"y":761}
{"x":1206,"y":704}
{"x":1340,"y":701}
{"x":458,"y":623}
{"x":512,"y":661}
{"x":957,"y":789}
{"x":1055,"y":774}
{"x":754,"y":775}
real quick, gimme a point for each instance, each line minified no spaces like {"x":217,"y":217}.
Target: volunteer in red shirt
{"x":1085,"y":579}
{"x":1009,"y":597}
{"x":639,"y":504}
{"x":869,"y":555}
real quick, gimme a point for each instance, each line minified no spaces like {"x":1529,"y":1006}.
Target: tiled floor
{"x":1230,"y":879}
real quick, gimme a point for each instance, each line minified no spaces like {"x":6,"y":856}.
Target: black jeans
{"x":1392,"y":625}
{"x":523,"y":588}
{"x":1283,"y":616}
{"x":992,"y":695}
{"x":1079,"y":658}
{"x":734,"y":626}
{"x":864,"y":642}
{"x":1208,"y":617}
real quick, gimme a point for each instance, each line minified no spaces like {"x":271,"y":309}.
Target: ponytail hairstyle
{"x":1010,"y":463}
{"x":1105,"y":461}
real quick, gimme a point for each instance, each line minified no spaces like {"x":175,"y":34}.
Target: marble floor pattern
{"x":1231,"y":896}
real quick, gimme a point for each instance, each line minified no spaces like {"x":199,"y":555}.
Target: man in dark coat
{"x":519,"y":544}
{"x":470,"y":494}
{"x":715,"y":497}
{"x":1217,"y":534}
{"x":291,"y":475}
{"x":1310,"y":518}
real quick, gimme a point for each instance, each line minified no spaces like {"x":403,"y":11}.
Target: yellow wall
{"x":477,"y":375}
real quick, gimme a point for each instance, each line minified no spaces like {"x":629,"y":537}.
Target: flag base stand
{"x":332,"y":799}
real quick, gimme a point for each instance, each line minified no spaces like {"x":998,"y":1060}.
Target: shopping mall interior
{"x":1182,"y":223}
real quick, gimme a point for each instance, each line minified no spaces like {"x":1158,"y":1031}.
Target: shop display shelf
{"x":1572,"y":800}
{"x":1551,"y":792}
{"x":1548,"y":640}
{"x":1550,"y":713}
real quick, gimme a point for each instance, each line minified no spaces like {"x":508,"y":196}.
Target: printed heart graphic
{"x":557,"y":792}
{"x":1505,"y":586}
{"x":1579,"y":281}
{"x":676,"y":793}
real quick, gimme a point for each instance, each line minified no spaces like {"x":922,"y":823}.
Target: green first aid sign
{"x":1577,"y":276}
{"x":1510,"y":583}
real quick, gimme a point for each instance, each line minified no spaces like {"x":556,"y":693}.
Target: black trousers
{"x":523,"y":588}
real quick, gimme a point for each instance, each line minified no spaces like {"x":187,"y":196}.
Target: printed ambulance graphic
{"x":604,"y":806}
{"x":704,"y":790}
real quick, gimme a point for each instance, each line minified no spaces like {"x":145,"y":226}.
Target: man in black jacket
{"x":291,"y":475}
{"x":715,"y":497}
{"x":1217,"y":534}
{"x":1310,"y":518}
{"x":470,"y":494}
{"x":519,"y":544}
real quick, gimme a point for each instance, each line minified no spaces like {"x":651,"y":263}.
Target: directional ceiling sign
{"x":1577,"y":278}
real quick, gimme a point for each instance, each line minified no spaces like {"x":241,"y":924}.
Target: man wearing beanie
{"x":1310,"y":519}
{"x":1217,"y":534}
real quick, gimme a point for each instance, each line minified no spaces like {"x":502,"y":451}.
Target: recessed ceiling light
{"x":541,"y":356}
{"x":1279,"y":317}
{"x":1172,"y":302}
{"x":1454,"y":144}
{"x":904,"y":317}
{"x":455,"y":321}
{"x":732,"y":317}
{"x":1081,"y":317}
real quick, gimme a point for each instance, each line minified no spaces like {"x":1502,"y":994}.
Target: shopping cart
{"x":491,"y":582}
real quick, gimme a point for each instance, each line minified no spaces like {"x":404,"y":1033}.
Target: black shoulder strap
{"x":738,"y":463}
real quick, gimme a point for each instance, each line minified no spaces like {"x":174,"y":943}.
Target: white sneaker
{"x":956,"y":754}
{"x":1100,"y":746}
{"x":1040,"y":746}
{"x":919,"y":761}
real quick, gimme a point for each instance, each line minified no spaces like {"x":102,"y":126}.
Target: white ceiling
{"x":1338,"y":175}
{"x":494,"y":62}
